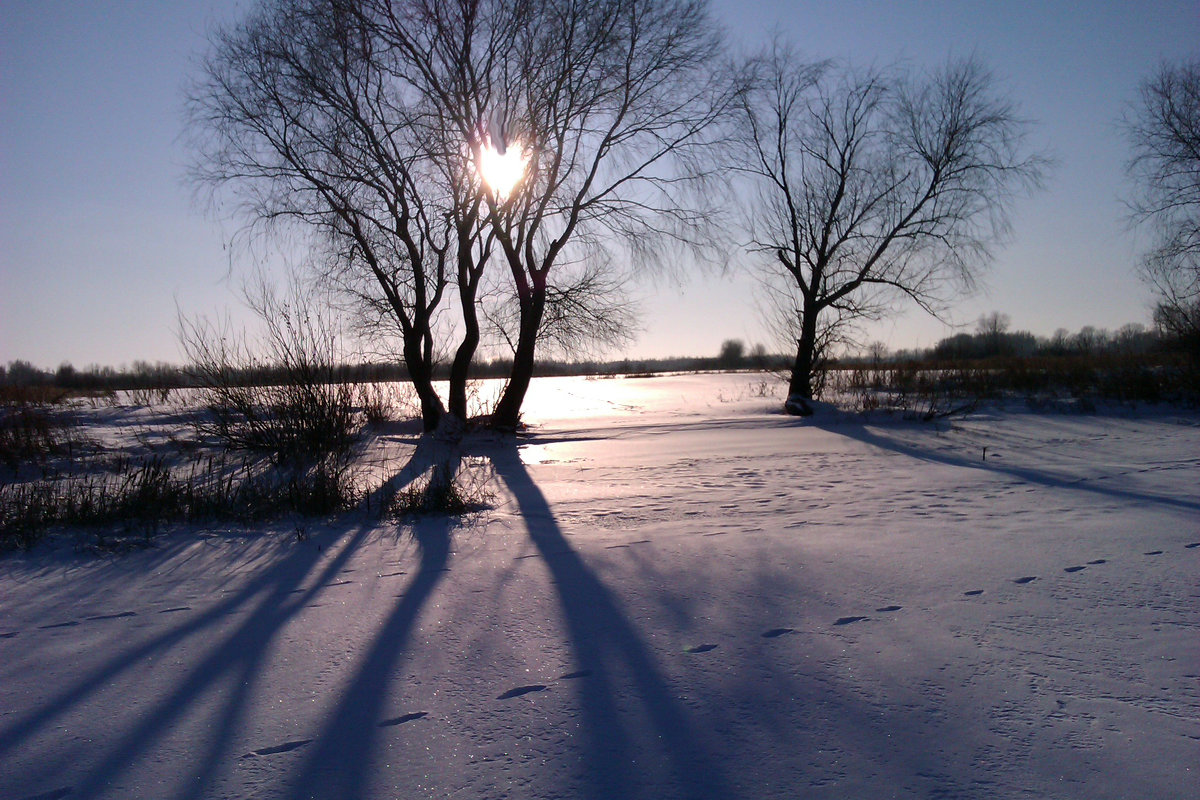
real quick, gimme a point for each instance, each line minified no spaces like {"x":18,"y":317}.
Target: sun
{"x":502,"y":171}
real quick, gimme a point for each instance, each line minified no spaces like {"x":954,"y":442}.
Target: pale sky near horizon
{"x":100,"y":240}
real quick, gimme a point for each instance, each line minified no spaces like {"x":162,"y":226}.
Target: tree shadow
{"x":859,"y":432}
{"x":637,"y":732}
{"x":339,"y":762}
{"x":265,"y":604}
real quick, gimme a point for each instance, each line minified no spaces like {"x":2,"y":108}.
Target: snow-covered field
{"x":679,"y":593}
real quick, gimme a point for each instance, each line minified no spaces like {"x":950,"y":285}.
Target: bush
{"x":284,"y":397}
{"x":31,"y":432}
{"x":444,"y":491}
{"x":144,"y":495}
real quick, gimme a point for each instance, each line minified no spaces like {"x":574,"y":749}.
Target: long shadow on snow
{"x":859,"y":432}
{"x":274,"y":598}
{"x":338,"y":763}
{"x":619,"y":761}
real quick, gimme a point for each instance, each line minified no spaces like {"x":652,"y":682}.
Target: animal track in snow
{"x":1153,"y":553}
{"x":70,"y":624}
{"x":520,"y":690}
{"x":9,"y":635}
{"x":1073,"y":569}
{"x":111,"y":616}
{"x":54,"y":794}
{"x":774,"y":632}
{"x":583,"y":673}
{"x":403,"y":718}
{"x":279,"y":748}
{"x":173,"y":610}
{"x":1098,"y":561}
{"x":1193,"y":544}
{"x":701,"y":648}
{"x":889,"y":608}
{"x":1026,"y":579}
{"x":973,"y":593}
{"x":848,"y":620}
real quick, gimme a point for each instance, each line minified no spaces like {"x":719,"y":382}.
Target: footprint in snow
{"x":1026,"y":579}
{"x":1153,"y":553}
{"x":9,"y":635}
{"x":279,"y":748}
{"x":173,"y":610}
{"x":848,"y":620}
{"x":583,"y":673}
{"x":403,"y":718}
{"x":59,"y":625}
{"x":111,"y":616}
{"x":1098,"y":561}
{"x":701,"y":648}
{"x":1073,"y":569}
{"x":520,"y":690}
{"x":55,"y":794}
{"x":771,"y":634}
{"x":1193,"y":544}
{"x":889,"y":608}
{"x":973,"y":593}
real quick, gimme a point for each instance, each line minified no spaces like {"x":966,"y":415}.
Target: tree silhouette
{"x":873,"y":186}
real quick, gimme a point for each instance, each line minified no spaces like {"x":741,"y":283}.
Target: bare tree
{"x":368,"y":122}
{"x":991,"y":329}
{"x":613,"y":103}
{"x":732,"y":354}
{"x":1164,"y":131}
{"x":308,"y":116}
{"x":874,"y":186}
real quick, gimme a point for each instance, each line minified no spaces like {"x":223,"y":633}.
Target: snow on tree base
{"x":798,"y":406}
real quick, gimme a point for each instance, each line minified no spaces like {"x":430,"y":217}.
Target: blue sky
{"x":100,"y":239}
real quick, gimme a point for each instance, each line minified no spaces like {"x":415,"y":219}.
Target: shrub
{"x":283,"y":397}
{"x":444,"y":491}
{"x":32,"y":431}
{"x":144,"y":495}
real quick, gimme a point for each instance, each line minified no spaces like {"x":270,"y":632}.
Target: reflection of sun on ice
{"x":502,"y":171}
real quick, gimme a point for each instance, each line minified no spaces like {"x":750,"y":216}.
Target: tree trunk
{"x":508,"y":411}
{"x":469,"y":273}
{"x":800,"y":387}
{"x":420,"y":372}
{"x":461,"y":366}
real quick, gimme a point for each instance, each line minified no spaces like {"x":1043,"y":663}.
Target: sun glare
{"x":502,"y":171}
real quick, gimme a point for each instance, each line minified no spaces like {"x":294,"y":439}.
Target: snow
{"x":679,"y":593}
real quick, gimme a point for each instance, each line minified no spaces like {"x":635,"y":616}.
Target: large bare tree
{"x":369,"y":122}
{"x":872,"y":186}
{"x":308,"y":115}
{"x":614,"y":102}
{"x":1164,"y":131}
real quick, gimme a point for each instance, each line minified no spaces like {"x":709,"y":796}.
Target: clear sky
{"x":100,"y":239}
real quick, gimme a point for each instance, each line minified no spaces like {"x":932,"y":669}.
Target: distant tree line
{"x":142,"y":375}
{"x":992,"y":339}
